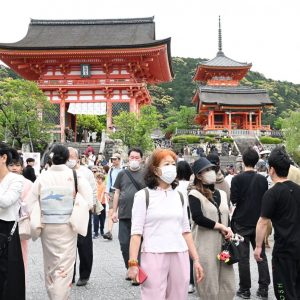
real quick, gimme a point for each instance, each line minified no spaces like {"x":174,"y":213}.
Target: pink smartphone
{"x":142,"y":275}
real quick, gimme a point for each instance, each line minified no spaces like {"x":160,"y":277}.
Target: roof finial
{"x":220,"y":52}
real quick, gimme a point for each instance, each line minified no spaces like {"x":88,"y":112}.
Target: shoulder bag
{"x":24,"y":223}
{"x":229,"y":250}
{"x":79,"y":218}
{"x":4,"y":240}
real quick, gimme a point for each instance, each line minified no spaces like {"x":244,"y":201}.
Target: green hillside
{"x":285,"y":95}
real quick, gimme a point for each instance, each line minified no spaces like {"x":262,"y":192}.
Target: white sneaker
{"x":191,"y":288}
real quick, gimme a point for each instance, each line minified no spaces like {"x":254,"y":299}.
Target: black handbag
{"x":4,"y":240}
{"x":230,"y":253}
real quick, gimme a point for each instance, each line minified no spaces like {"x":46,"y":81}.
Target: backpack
{"x":147,"y":197}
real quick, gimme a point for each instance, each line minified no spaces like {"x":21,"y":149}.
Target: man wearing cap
{"x":247,"y":190}
{"x":110,"y":190}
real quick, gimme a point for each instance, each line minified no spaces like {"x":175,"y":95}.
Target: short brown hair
{"x":157,"y":156}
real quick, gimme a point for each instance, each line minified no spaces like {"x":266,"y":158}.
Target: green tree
{"x":182,"y":118}
{"x":291,"y":131}
{"x":91,"y":122}
{"x":136,"y":131}
{"x":24,"y":113}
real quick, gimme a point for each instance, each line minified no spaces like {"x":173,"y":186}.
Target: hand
{"x":198,"y":271}
{"x":257,"y":253}
{"x":132,"y":273}
{"x":107,"y":195}
{"x":228,"y":233}
{"x":114,"y":217}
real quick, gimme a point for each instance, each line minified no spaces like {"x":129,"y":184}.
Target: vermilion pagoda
{"x":91,"y":66}
{"x":222,"y":103}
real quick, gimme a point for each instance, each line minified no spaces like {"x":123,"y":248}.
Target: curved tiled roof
{"x":240,"y":96}
{"x":88,"y":34}
{"x":221,"y":60}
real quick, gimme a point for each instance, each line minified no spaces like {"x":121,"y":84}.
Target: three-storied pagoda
{"x":91,"y":66}
{"x":222,"y":103}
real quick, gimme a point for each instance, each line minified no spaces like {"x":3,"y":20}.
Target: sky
{"x":263,"y":32}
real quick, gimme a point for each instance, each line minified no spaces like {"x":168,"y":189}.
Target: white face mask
{"x":209,"y":177}
{"x":168,"y":173}
{"x":71,"y":163}
{"x":134,"y":164}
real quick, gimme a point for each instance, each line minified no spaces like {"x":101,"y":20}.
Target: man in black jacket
{"x":28,"y":171}
{"x":247,"y":190}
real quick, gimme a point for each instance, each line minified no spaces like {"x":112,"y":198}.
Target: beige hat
{"x":116,"y":155}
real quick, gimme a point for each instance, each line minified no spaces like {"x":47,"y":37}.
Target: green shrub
{"x":296,"y":156}
{"x":188,"y":139}
{"x":227,"y":140}
{"x":270,"y":140}
{"x":210,"y":139}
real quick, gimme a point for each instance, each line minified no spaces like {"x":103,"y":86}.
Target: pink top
{"x":163,"y":223}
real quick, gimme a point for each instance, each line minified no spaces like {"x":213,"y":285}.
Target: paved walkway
{"x":107,"y":281}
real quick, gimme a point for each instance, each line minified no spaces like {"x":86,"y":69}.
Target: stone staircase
{"x":81,"y":147}
{"x":243,"y":142}
{"x":227,"y":160}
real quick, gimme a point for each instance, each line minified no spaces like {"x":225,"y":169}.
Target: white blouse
{"x":11,"y":188}
{"x":163,"y":223}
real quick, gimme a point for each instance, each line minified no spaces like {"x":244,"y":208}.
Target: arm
{"x":138,"y":221}
{"x":234,"y":191}
{"x":194,"y":255}
{"x":201,"y":220}
{"x":10,"y":195}
{"x":135,"y":242}
{"x":261,"y":229}
{"x":115,"y":205}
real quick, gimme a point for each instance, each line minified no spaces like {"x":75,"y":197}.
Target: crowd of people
{"x":173,"y":219}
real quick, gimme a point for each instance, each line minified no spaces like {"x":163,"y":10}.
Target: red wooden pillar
{"x":209,"y":119}
{"x":250,"y":120}
{"x":62,"y":119}
{"x":108,"y":114}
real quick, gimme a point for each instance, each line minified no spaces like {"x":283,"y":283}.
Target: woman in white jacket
{"x":54,"y":190}
{"x":12,"y":277}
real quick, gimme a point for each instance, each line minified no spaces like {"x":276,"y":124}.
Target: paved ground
{"x":107,"y":278}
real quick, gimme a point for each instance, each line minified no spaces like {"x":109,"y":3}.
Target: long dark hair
{"x":151,"y":179}
{"x":205,"y":191}
{"x":11,"y":153}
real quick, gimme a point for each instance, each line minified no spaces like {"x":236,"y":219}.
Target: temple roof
{"x":88,"y":34}
{"x":221,"y":60}
{"x":234,"y":96}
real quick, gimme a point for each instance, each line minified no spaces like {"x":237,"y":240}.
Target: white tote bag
{"x":80,"y":215}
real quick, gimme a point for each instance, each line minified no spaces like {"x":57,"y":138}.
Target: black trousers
{"x":85,"y":253}
{"x":244,"y":263}
{"x":99,"y":219}
{"x":12,"y":274}
{"x":286,"y":278}
{"x":124,"y":238}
